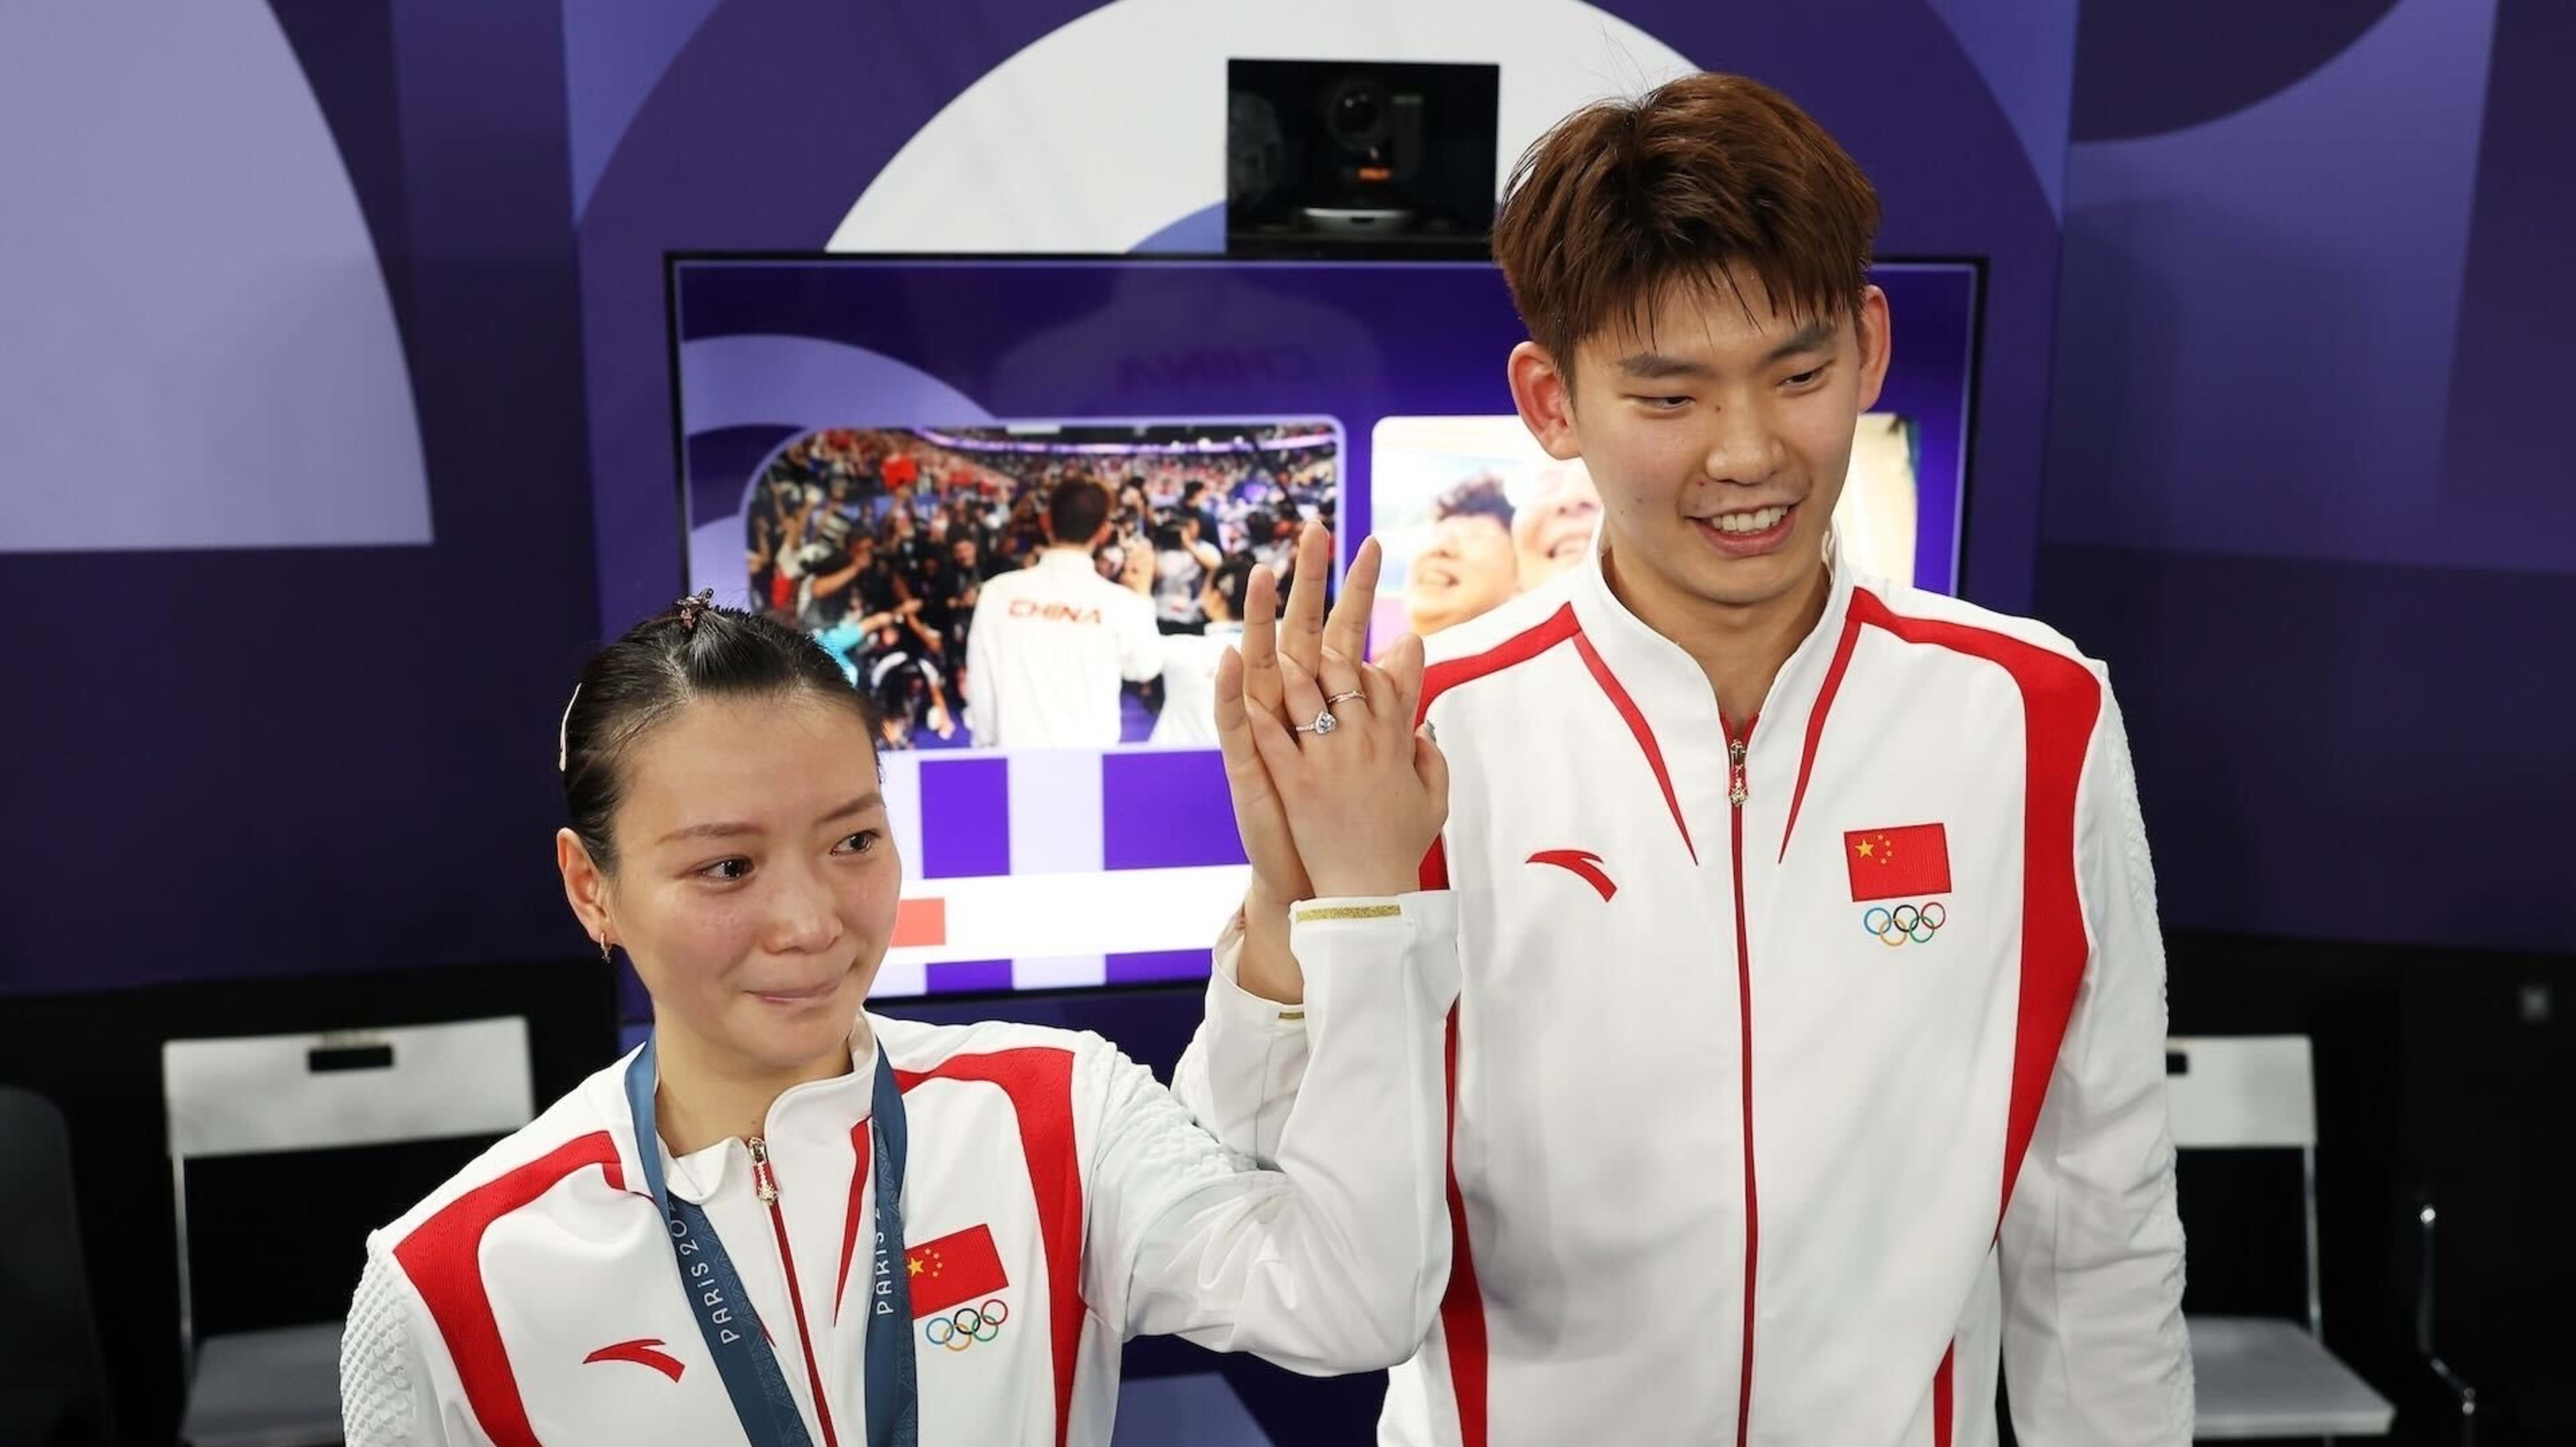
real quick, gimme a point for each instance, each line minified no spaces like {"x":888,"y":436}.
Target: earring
{"x":603,"y":949}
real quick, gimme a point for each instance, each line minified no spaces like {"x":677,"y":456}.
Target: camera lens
{"x":1355,"y":112}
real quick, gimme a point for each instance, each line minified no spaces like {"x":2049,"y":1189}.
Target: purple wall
{"x":2308,"y":491}
{"x":289,"y":759}
{"x":2300,"y":490}
{"x":282,"y":760}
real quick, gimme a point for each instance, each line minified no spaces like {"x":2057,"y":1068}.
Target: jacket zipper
{"x":1737,"y":792}
{"x":764,"y":1180}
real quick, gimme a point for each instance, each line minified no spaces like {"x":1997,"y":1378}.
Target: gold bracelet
{"x":1349,"y":911}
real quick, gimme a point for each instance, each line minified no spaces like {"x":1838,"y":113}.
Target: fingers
{"x":1346,"y":632}
{"x":1258,"y":814}
{"x":1260,"y":643}
{"x":1432,"y":767}
{"x":1403,"y":665}
{"x":1245,"y":774}
{"x":1233,"y":725}
{"x":1340,"y":678}
{"x":1385,"y":709}
{"x":1302,"y":628}
{"x":1276,"y":746}
{"x":1304,"y":700}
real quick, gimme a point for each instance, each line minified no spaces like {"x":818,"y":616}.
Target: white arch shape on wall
{"x":1108,"y":129}
{"x":197,"y":346}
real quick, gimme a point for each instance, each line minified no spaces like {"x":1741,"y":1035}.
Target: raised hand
{"x":1364,"y":793}
{"x":1252,"y":684}
{"x":1254,"y":724}
{"x":1334,"y":793}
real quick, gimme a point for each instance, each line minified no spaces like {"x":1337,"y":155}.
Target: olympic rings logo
{"x":967,"y":1325}
{"x":1894,"y":927}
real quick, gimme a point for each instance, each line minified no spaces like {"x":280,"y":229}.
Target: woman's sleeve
{"x":386,"y":1399}
{"x":1335,"y":1259}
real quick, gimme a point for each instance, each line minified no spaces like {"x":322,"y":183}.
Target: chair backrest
{"x":278,"y":1094}
{"x":2241,"y":1092}
{"x":268,"y":1093}
{"x":2251,"y":1092}
{"x":52,"y":1372}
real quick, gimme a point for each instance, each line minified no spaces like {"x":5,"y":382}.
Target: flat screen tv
{"x":919,"y":401}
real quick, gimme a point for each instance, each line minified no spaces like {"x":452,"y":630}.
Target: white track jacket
{"x":1057,"y":1200}
{"x":1804,"y":1066}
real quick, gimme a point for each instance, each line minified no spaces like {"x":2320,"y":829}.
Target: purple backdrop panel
{"x":633,"y":1002}
{"x":2022,"y":53}
{"x":2259,"y":312}
{"x":1932,"y":309}
{"x":2339,"y":750}
{"x":2503,"y":461}
{"x":247,"y":388}
{"x":615,"y":51}
{"x":959,"y":976}
{"x":1158,"y":967}
{"x":1166,"y":810}
{"x":738,"y":452}
{"x":965,"y":817}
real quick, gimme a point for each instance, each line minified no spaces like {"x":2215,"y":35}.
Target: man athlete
{"x":1808,"y":1067}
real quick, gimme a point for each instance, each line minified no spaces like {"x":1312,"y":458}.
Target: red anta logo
{"x":1053,"y":612}
{"x":1583,"y":864}
{"x":641,"y":1351}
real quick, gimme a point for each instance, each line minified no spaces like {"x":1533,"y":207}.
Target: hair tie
{"x":563,"y":731}
{"x":691,"y":608}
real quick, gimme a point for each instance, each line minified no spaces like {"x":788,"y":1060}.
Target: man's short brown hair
{"x":1077,"y":510}
{"x":1697,"y":177}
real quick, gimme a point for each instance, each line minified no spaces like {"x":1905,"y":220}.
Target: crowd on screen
{"x":878,"y":541}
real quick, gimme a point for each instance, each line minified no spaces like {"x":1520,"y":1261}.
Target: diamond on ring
{"x":1324,"y":723}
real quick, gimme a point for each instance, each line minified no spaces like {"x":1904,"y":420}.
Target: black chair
{"x":2458,"y":1401}
{"x":53,"y":1379}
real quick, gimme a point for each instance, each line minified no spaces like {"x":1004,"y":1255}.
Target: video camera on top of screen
{"x":1359,"y":158}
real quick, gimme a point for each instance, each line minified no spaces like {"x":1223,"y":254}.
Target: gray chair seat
{"x":2265,"y":1377}
{"x":277,"y":1388}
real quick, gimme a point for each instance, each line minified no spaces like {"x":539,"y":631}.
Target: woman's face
{"x":1469,"y":569}
{"x":756,"y":882}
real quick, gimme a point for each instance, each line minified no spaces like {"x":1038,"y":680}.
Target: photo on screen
{"x":1470,"y":513}
{"x":880,"y":542}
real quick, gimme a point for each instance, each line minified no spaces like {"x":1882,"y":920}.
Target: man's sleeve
{"x":2091,"y":1250}
{"x":978,"y":688}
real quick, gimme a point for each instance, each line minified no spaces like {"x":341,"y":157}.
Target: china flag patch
{"x":1908,"y":863}
{"x":956,"y":1268}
